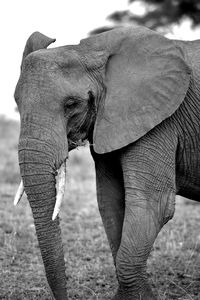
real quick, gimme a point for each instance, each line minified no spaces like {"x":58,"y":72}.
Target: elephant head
{"x":110,"y":89}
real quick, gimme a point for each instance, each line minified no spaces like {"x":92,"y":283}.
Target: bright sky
{"x":66,"y":20}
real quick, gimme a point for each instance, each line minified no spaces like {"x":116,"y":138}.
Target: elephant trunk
{"x":38,"y":170}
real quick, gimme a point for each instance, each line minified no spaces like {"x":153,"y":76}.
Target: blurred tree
{"x":158,"y":14}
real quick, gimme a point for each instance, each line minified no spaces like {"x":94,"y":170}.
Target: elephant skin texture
{"x":134,"y":96}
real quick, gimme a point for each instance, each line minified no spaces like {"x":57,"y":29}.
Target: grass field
{"x":174,"y":264}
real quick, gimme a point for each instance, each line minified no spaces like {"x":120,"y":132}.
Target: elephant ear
{"x":146,"y":80}
{"x":36,"y":42}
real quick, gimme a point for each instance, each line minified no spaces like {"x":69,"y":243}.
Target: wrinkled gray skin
{"x":58,"y":97}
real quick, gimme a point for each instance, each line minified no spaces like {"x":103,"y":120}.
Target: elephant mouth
{"x":60,"y":189}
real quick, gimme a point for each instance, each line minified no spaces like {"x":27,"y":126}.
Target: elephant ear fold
{"x":146,"y":79}
{"x":36,"y":42}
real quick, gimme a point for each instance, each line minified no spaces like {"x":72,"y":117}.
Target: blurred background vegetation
{"x":157,"y":14}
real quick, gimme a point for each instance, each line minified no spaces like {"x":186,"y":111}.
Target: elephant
{"x":134,"y":96}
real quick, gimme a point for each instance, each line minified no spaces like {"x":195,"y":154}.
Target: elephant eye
{"x":71,"y":106}
{"x":70,"y":103}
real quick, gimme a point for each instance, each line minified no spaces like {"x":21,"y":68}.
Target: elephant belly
{"x":186,"y":125}
{"x":192,"y":192}
{"x":188,"y":176}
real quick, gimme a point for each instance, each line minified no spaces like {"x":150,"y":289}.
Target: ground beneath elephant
{"x":174,"y":264}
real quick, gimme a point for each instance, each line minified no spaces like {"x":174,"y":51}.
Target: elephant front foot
{"x":123,"y":294}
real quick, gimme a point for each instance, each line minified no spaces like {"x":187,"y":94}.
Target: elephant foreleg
{"x":139,"y":232}
{"x":149,"y":181}
{"x":110,"y":197}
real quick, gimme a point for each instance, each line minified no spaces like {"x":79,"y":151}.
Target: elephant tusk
{"x":60,"y":189}
{"x":19,"y":193}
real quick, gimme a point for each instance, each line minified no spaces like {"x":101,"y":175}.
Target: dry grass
{"x":174,"y":264}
